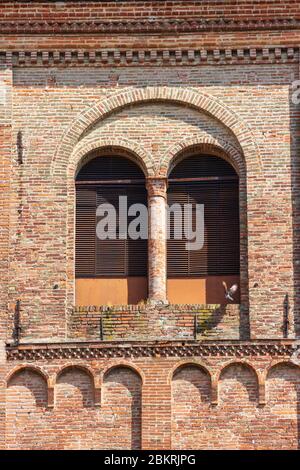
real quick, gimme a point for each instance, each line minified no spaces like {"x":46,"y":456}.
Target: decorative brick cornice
{"x":148,"y":26}
{"x":149,"y":57}
{"x":45,"y":352}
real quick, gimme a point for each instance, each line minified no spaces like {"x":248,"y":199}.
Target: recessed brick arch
{"x":185,"y":96}
{"x":245,"y":364}
{"x":241,"y":375}
{"x":27,"y":367}
{"x":188,"y":363}
{"x":191,"y":393}
{"x":82,"y":368}
{"x":204,"y":144}
{"x":123,"y":364}
{"x":35,"y":380}
{"x":90,"y":144}
{"x":122,"y":398}
{"x":79,"y":378}
{"x":281,"y":363}
{"x":283,"y":402}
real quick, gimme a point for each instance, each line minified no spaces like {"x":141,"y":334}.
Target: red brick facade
{"x":153,"y":80}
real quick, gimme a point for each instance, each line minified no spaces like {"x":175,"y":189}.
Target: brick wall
{"x":222,"y":85}
{"x":174,"y":399}
{"x":224,"y":23}
{"x":175,"y":322}
{"x":37,"y":10}
{"x":257,"y":95}
{"x":5,"y":164}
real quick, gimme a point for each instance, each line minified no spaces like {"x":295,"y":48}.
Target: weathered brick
{"x":71,"y":84}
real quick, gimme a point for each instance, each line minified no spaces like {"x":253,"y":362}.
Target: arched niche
{"x":122,"y":401}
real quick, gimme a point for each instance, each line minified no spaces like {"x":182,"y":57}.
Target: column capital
{"x":157,"y":186}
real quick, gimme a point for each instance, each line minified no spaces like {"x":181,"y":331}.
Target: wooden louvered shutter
{"x":110,"y":253}
{"x":137,"y":250}
{"x":177,"y":255}
{"x":102,"y":181}
{"x":121,"y":257}
{"x":204,"y":261}
{"x":85,"y":232}
{"x":217,"y":190}
{"x":229,"y":232}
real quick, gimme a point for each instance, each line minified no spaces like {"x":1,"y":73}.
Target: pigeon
{"x":230,"y":292}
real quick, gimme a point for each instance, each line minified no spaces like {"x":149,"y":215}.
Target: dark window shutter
{"x":121,"y":257}
{"x":109,"y":257}
{"x":217,"y":189}
{"x":85,"y":232}
{"x":110,"y":168}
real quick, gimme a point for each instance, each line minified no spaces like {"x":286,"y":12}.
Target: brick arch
{"x":191,"y":399}
{"x":188,"y":363}
{"x":63,"y":174}
{"x":122,"y":398}
{"x":288,"y":364}
{"x":234,"y":156}
{"x":234,"y":362}
{"x":185,"y":96}
{"x":36,"y":382}
{"x":124,"y":365}
{"x":135,"y":151}
{"x":247,"y":366}
{"x":283,"y":402}
{"x":27,"y":367}
{"x":80,"y":367}
{"x":85,"y":389}
{"x":205,"y":144}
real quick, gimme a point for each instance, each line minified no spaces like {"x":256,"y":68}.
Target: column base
{"x":157,"y":303}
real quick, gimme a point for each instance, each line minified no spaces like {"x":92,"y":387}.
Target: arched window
{"x":112,"y":270}
{"x":197,"y":275}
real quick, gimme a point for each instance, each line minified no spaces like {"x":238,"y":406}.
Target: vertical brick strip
{"x":156,"y":412}
{"x":5,"y":146}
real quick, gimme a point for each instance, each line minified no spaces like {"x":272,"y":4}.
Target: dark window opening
{"x":102,"y":181}
{"x":213,"y":182}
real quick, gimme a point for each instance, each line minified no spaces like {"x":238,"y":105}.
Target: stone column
{"x":157,"y":240}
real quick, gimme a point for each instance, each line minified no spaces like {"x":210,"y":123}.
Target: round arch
{"x":227,"y":155}
{"x":123,"y":365}
{"x":239,"y":363}
{"x":80,"y":367}
{"x":71,"y":150}
{"x":27,"y":367}
{"x":128,"y":148}
{"x":188,"y":363}
{"x":218,"y":147}
{"x":279,"y":363}
{"x":188,"y":97}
